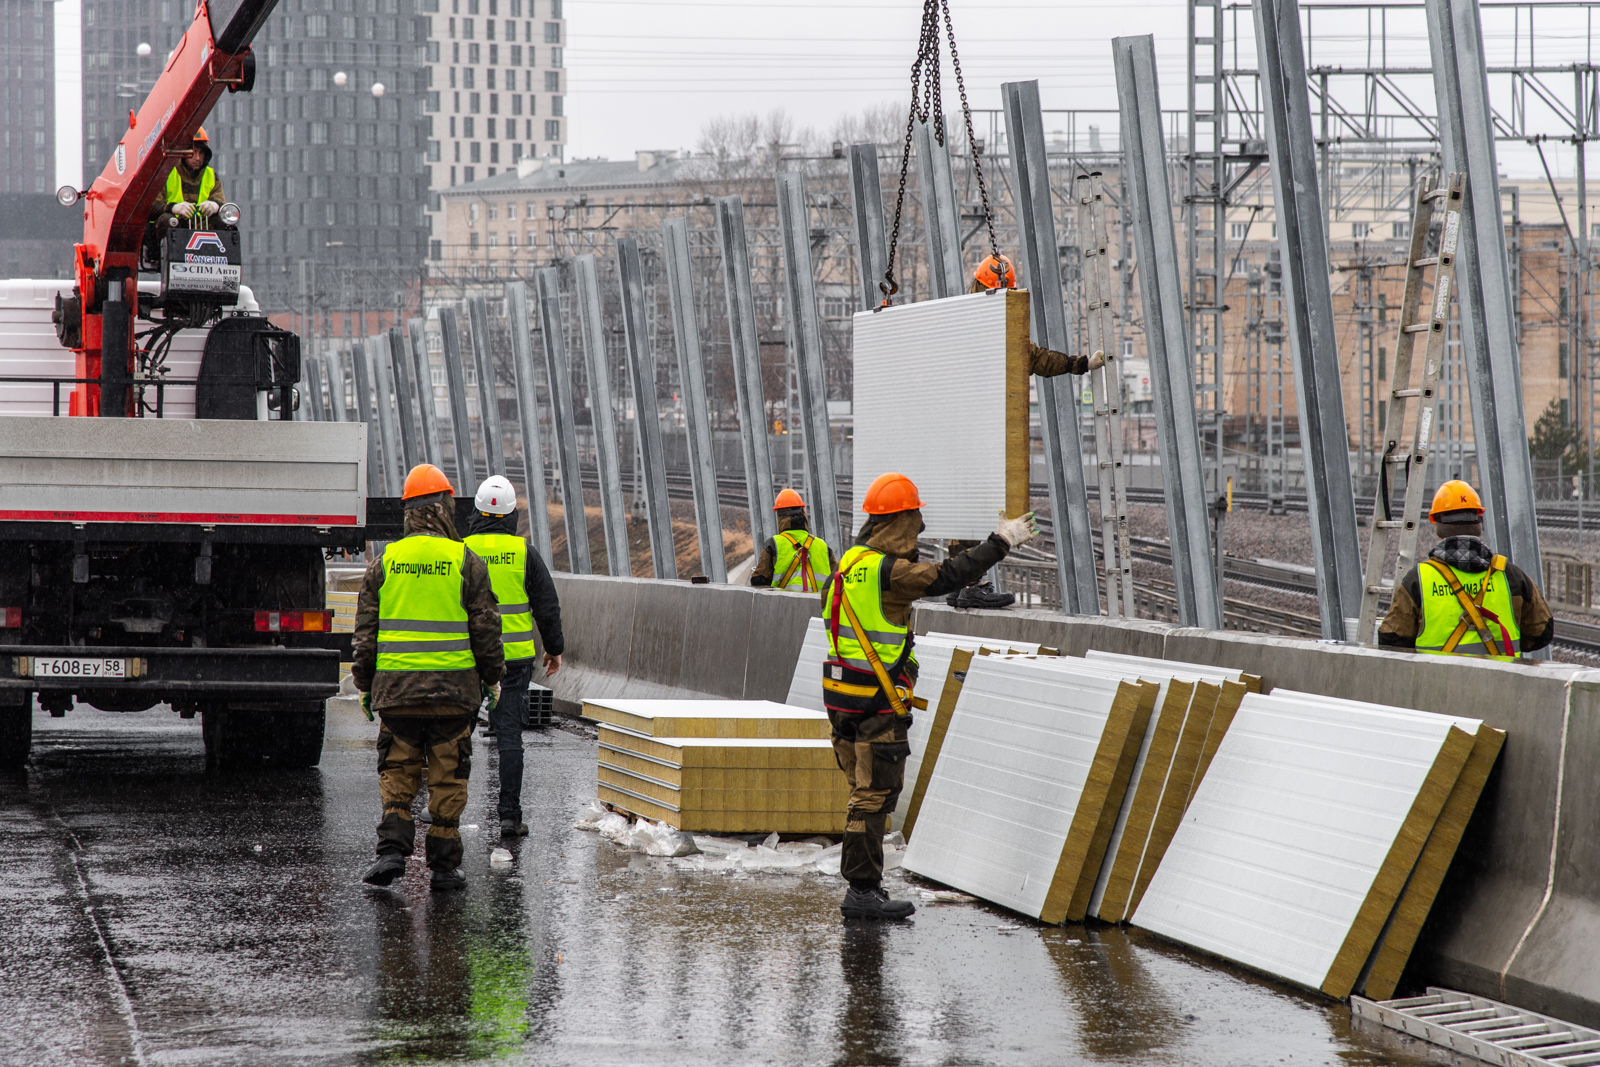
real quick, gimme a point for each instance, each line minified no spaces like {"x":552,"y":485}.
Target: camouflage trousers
{"x":871,"y":750}
{"x":405,"y":744}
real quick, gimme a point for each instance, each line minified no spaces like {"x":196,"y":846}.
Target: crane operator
{"x":192,"y":188}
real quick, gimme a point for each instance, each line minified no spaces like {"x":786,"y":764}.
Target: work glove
{"x":209,"y":208}
{"x":183,"y":209}
{"x":491,"y":696}
{"x":366,"y":705}
{"x":1097,"y":361}
{"x":1018,"y":530}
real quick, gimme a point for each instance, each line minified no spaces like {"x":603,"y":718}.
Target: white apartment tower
{"x":496,"y":90}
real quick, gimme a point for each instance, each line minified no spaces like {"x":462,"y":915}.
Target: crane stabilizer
{"x":211,"y":58}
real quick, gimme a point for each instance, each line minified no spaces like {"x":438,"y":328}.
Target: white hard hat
{"x":496,"y":496}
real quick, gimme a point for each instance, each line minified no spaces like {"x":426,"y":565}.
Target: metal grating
{"x":1485,"y":1029}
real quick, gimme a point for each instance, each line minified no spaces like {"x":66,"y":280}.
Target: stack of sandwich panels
{"x":1198,"y":703}
{"x":1021,"y":801}
{"x":720,"y":766}
{"x":934,"y":652}
{"x":1314,"y":847}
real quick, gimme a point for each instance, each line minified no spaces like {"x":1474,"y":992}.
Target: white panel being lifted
{"x":941,"y":395}
{"x":211,"y":471}
{"x":1301,"y":837}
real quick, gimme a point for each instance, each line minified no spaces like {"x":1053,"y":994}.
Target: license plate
{"x":63,"y":667}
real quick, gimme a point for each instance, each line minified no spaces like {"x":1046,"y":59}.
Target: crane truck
{"x":163,"y":533}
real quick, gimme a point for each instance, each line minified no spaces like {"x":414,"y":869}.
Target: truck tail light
{"x":10,"y":618}
{"x":278,"y":621}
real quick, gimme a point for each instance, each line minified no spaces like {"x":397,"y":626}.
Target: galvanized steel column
{"x":1171,"y":368}
{"x":405,"y":396}
{"x":528,"y":422}
{"x":383,"y":386}
{"x":488,"y":397}
{"x":692,"y":377}
{"x":362,"y":382}
{"x":941,"y":217}
{"x":333,"y":370}
{"x":646,"y":415}
{"x":422,"y":374}
{"x":613,"y":511}
{"x":461,"y":429}
{"x":1483,"y":278}
{"x":800,"y":288}
{"x":742,"y":337}
{"x":1040,"y":273}
{"x":558,"y":374}
{"x":311,"y":384}
{"x":866,"y":202}
{"x":1308,"y":308}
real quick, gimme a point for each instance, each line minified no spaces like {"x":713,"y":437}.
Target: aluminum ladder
{"x":1416,"y":317}
{"x":1485,"y":1029}
{"x":1107,"y":385}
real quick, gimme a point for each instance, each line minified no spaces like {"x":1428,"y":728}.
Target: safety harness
{"x":898,"y":697}
{"x":802,"y":561}
{"x":1473,"y":611}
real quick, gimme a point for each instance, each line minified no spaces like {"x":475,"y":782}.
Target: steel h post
{"x":941,"y":218}
{"x":613,"y":512}
{"x":311,"y":383}
{"x":405,"y":395}
{"x":1171,"y":369}
{"x":1308,"y":303}
{"x":383,"y":384}
{"x":333,"y":367}
{"x":488,"y":395}
{"x":746,"y":347}
{"x":1483,"y":276}
{"x":461,"y":429}
{"x":795,"y":234}
{"x":361,"y":375}
{"x":866,"y":200}
{"x":1040,"y":272}
{"x":692,"y":379}
{"x":532,"y":447}
{"x":422,"y":374}
{"x":646,"y":414}
{"x":547,"y":284}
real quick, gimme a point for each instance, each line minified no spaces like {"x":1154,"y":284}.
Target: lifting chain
{"x":925,"y":80}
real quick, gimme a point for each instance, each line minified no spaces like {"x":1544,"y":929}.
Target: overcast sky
{"x":647,"y":74}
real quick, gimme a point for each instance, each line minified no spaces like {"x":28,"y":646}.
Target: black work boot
{"x":513,"y":828}
{"x":444,"y":881}
{"x":874,"y":903}
{"x":983,"y":596}
{"x":385,"y":869}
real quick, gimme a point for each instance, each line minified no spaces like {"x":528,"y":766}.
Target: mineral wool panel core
{"x":941,"y":395}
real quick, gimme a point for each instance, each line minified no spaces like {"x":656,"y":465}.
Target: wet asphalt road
{"x":153,"y":913}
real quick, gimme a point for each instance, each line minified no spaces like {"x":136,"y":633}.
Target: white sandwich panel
{"x":941,"y":395}
{"x":1286,"y":837}
{"x":1013,"y":772}
{"x":969,"y":641}
{"x":1204,"y":671}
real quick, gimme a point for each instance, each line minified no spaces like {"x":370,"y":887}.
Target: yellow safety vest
{"x":422,"y":620}
{"x":1443,"y":613}
{"x":507,"y":558}
{"x":800,"y":561}
{"x":208,"y":182}
{"x":849,"y":682}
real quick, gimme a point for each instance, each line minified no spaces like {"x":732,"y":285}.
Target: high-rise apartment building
{"x":497,"y":90}
{"x":27,"y":96}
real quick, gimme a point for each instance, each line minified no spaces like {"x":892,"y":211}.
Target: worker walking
{"x":527,"y":599}
{"x":869,"y":677}
{"x":1463,"y":600}
{"x":427,"y":654}
{"x":998,"y":273}
{"x":795,"y":558}
{"x":192,"y":189}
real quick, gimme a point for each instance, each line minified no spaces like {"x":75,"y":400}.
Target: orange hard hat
{"x":788,"y":499}
{"x":890,"y":493}
{"x":1455,"y":496}
{"x":200,"y":135}
{"x":425,"y":480}
{"x":996,"y":274}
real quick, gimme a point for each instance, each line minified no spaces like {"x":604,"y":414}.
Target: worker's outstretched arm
{"x":1048,"y":363}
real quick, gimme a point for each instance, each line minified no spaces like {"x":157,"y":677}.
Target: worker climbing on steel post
{"x":795,"y":558}
{"x":528,"y":600}
{"x":427,"y":655}
{"x":869,"y":678}
{"x":192,"y":192}
{"x":1464,"y":600}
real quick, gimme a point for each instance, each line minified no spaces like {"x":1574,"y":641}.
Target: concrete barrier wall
{"x":1511,"y":904}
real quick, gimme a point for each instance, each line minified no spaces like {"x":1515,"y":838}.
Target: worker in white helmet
{"x":528,"y":601}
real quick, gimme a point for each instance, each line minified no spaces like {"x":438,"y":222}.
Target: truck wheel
{"x":230,"y":737}
{"x":296,"y":736}
{"x":16,"y":735}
